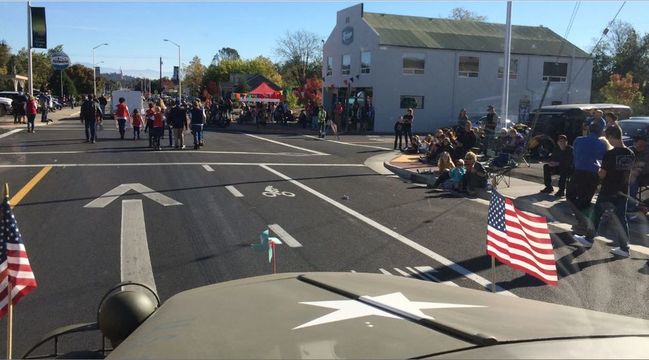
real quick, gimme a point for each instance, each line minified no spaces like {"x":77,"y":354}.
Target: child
{"x":137,"y":123}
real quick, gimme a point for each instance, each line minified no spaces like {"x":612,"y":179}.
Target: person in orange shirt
{"x":137,"y":124}
{"x":122,"y":116}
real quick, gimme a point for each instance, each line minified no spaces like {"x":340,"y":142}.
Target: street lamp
{"x":94,"y":72}
{"x":180,"y":88}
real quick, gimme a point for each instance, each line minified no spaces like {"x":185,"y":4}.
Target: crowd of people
{"x":175,"y":116}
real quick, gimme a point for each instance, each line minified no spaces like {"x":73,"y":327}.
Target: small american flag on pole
{"x":14,"y":264}
{"x":520,"y":239}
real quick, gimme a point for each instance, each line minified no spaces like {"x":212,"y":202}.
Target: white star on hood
{"x":351,"y":309}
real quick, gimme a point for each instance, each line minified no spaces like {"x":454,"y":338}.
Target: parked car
{"x":633,"y":127}
{"x":548,"y":122}
{"x":5,"y":106}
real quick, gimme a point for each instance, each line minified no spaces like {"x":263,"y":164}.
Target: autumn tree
{"x":460,"y":13}
{"x":622,"y":90}
{"x":194,"y":76}
{"x":300,"y":51}
{"x":311,"y":93}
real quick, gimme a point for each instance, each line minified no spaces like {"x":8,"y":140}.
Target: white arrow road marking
{"x":234,"y":191}
{"x":134,"y":249}
{"x":122,"y":189}
{"x":284,"y":236}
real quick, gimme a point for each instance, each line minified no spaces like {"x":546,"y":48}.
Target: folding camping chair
{"x":499,"y":169}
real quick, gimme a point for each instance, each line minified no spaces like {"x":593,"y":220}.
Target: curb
{"x":409,"y":175}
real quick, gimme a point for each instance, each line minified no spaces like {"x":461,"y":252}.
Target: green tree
{"x":68,"y":85}
{"x":301,"y":51}
{"x":194,"y":73}
{"x":460,"y":13}
{"x":41,"y":66}
{"x":225,"y":53}
{"x":81,"y":76}
{"x":260,"y":65}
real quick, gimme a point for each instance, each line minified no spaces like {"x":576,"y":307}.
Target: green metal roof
{"x":421,"y":32}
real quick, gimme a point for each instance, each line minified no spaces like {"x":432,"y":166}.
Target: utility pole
{"x":160,"y":83}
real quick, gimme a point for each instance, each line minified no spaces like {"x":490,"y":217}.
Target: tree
{"x":5,"y":55}
{"x":301,"y":49}
{"x":622,"y":90}
{"x":460,"y":13}
{"x":68,"y":85}
{"x":225,"y":53}
{"x":311,"y":93}
{"x":194,"y":76}
{"x":216,"y":74}
{"x":41,"y":66}
{"x":81,"y":76}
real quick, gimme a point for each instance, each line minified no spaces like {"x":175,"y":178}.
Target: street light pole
{"x":94,"y":72}
{"x":180,"y":88}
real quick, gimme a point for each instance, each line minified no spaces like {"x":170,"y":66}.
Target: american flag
{"x":14,"y":264}
{"x":520,"y":239}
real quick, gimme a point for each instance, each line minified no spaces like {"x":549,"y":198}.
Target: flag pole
{"x":274,"y":257}
{"x":10,"y":317}
{"x":493,"y":274}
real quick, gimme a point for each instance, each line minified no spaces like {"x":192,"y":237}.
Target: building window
{"x":346,"y":68}
{"x":330,"y":65}
{"x":555,"y":71}
{"x":469,"y":66}
{"x":366,"y":62}
{"x":513,"y":68}
{"x":414,"y":63}
{"x":411,"y":101}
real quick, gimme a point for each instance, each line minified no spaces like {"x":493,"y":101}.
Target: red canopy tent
{"x":263,"y":89}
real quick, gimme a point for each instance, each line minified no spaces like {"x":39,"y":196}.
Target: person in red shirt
{"x":158,"y":128}
{"x":122,"y":116}
{"x":30,"y":109}
{"x":137,"y":124}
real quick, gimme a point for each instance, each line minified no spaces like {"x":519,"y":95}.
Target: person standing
{"x":561,"y":163}
{"x":44,"y":102}
{"x":614,"y":173}
{"x":198,"y":121}
{"x":588,"y":154}
{"x":31,"y":110}
{"x":322,"y":121}
{"x":158,"y":127}
{"x":398,"y":133}
{"x":88,"y":117}
{"x":640,"y":172}
{"x":338,"y":112}
{"x":102,"y":103}
{"x":122,"y":115}
{"x":490,"y":124}
{"x":149,"y":116}
{"x":178,"y":121}
{"x":137,"y":124}
{"x":408,"y":119}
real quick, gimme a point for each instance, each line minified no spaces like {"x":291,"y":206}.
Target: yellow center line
{"x":29,"y":186}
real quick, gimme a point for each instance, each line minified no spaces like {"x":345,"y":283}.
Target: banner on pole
{"x":39,"y":28}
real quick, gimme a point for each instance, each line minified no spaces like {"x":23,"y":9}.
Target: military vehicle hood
{"x":352,"y":315}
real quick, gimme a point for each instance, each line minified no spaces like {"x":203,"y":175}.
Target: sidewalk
{"x":525,"y":194}
{"x":7,"y":121}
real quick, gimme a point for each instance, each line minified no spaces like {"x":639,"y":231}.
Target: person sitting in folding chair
{"x":514,"y":144}
{"x":561,"y":163}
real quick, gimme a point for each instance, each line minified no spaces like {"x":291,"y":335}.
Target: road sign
{"x":60,"y":60}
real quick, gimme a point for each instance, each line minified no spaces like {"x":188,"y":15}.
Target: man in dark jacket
{"x":89,"y":110}
{"x":561,"y":163}
{"x":178,"y":120}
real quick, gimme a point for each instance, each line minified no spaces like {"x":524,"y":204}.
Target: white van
{"x":133,"y":100}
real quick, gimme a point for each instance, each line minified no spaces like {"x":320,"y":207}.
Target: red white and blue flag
{"x":520,"y":239}
{"x":14,"y":264}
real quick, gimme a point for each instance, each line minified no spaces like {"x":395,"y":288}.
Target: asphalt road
{"x":339,"y":215}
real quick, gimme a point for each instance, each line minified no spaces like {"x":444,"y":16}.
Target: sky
{"x":135,"y":30}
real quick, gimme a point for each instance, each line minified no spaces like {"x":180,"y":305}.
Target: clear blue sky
{"x":135,"y":30}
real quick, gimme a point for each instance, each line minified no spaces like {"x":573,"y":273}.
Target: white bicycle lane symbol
{"x":272,"y":192}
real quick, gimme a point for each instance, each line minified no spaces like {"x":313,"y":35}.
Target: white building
{"x":439,"y":66}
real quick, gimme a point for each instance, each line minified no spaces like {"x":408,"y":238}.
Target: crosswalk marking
{"x":417,"y":272}
{"x":208,"y":168}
